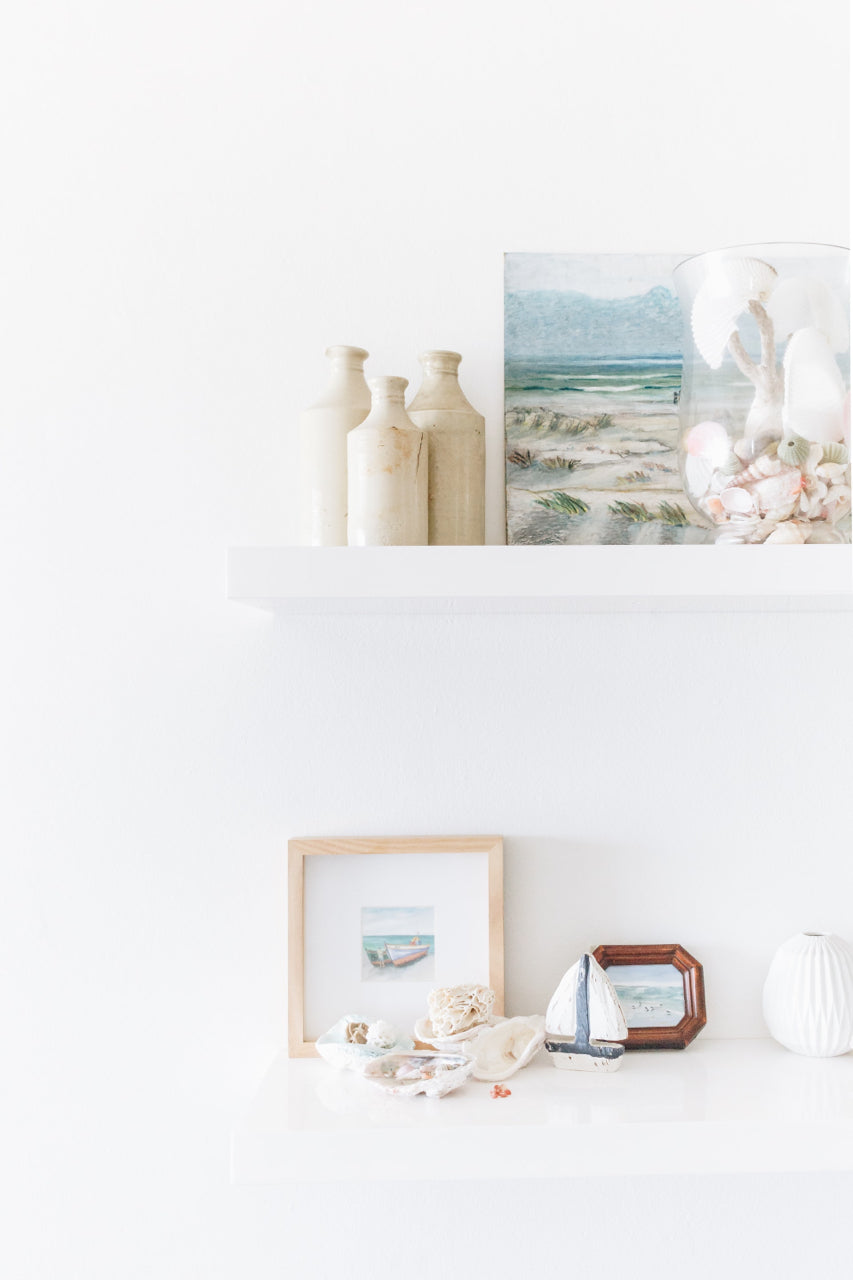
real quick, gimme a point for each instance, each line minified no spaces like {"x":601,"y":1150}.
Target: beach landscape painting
{"x":651,"y":995}
{"x":397,"y":944}
{"x":592,"y":375}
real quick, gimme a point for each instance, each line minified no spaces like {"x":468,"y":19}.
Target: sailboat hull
{"x":567,"y":1057}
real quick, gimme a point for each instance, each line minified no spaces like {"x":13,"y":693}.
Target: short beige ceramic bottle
{"x":323,"y":431}
{"x":387,"y":473}
{"x":457,"y":453}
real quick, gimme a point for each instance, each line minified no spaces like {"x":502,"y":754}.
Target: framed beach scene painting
{"x":592,"y":376}
{"x":375,"y":923}
{"x":661,"y":989}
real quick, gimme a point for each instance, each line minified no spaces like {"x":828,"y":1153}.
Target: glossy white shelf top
{"x":737,"y":1106}
{"x":540,"y":579}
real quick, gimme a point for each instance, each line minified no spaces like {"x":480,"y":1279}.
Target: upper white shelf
{"x":540,"y":579}
{"x":719,"y":1106}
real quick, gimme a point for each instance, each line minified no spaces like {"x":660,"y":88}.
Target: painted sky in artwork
{"x":608,"y":306}
{"x":377,"y":921}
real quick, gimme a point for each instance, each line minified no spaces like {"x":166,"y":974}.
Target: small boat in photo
{"x":401,"y":954}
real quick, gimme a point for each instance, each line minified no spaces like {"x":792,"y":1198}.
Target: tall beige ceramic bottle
{"x":387,"y":473}
{"x":457,"y":453}
{"x":323,"y":431}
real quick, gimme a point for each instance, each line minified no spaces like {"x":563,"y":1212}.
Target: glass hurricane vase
{"x":764,"y":406}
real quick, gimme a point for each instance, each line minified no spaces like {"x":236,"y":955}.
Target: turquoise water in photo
{"x":422,"y":970}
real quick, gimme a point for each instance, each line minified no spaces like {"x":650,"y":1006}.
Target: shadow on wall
{"x":562,"y":897}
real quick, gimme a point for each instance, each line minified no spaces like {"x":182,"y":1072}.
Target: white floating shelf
{"x":720,"y":1106}
{"x":540,"y":579}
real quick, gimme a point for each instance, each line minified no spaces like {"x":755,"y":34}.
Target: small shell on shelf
{"x":456,"y":1009}
{"x":793,"y":449}
{"x":421,"y":1071}
{"x":354,"y":1042}
{"x":504,"y":1049}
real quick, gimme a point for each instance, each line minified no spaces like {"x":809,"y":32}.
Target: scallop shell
{"x":724,"y":294}
{"x":835,"y":452}
{"x":421,"y":1071}
{"x":502,"y":1050}
{"x":793,"y":449}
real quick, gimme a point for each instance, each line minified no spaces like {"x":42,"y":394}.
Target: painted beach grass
{"x":592,"y":377}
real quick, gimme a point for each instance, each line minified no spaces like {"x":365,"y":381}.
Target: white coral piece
{"x":456,"y":1009}
{"x":381,"y":1035}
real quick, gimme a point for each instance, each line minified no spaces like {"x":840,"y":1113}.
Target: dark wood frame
{"x":679,"y":1036}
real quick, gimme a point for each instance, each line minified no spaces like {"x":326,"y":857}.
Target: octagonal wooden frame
{"x":668,"y":953}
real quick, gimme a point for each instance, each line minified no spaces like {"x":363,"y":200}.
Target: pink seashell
{"x":708,"y":440}
{"x":737,"y":501}
{"x":777,"y":491}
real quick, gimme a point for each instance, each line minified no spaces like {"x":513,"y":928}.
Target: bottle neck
{"x":388,"y":392}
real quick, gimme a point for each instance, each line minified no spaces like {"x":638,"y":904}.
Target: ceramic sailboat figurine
{"x":583,"y":1019}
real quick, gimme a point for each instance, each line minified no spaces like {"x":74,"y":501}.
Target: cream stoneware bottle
{"x":387,"y":473}
{"x":323,"y":431}
{"x":457,"y":453}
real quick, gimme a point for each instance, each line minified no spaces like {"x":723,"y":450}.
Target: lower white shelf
{"x":720,"y":1106}
{"x":548,"y":579}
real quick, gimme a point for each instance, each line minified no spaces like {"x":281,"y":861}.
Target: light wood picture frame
{"x":342,"y":892}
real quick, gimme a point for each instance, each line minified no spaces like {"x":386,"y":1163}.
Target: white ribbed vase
{"x":808,"y":995}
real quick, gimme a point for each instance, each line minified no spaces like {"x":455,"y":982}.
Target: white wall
{"x":198,"y":199}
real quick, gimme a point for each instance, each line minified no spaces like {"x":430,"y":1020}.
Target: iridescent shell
{"x":793,"y":449}
{"x":353,"y":1042}
{"x":835,"y":452}
{"x":406,"y":1074}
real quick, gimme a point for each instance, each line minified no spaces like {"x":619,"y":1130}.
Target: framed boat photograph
{"x":661,"y":989}
{"x":375,"y":924}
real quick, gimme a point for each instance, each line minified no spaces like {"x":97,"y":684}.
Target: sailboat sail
{"x":603,"y":1012}
{"x":606,"y":1019}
